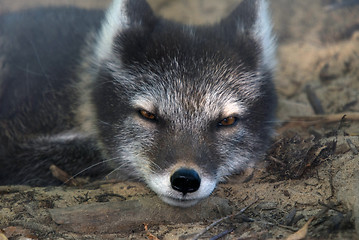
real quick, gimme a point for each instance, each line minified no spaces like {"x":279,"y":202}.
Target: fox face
{"x":182,"y":107}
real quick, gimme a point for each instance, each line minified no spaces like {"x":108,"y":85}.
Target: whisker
{"x":39,"y":61}
{"x":115,"y":170}
{"x":152,"y":163}
{"x":89,"y":167}
{"x":104,"y":123}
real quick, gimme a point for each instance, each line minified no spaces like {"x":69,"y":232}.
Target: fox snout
{"x":185,"y":181}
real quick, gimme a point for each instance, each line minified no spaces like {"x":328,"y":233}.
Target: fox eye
{"x":147,"y":115}
{"x":227,"y":122}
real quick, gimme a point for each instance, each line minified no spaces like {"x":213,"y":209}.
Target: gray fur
{"x":190,"y":78}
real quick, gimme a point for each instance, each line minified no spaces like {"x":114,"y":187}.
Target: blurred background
{"x":330,"y":20}
{"x":317,"y":39}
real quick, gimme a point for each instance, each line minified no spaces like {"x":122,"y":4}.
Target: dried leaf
{"x":16,"y":230}
{"x":3,"y":237}
{"x":150,"y":236}
{"x":63,"y":176}
{"x":301,"y":233}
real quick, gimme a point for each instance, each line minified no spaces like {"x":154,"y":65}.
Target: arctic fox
{"x":178,"y":107}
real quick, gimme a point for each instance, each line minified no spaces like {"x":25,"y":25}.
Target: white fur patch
{"x":162,"y":186}
{"x":263,"y":33}
{"x":63,"y":137}
{"x":116,"y":20}
{"x":233,"y":108}
{"x":145,"y":103}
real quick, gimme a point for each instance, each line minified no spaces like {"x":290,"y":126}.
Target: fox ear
{"x":252,"y":18}
{"x":122,"y":15}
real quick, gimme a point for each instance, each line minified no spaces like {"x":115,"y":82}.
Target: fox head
{"x":182,"y":107}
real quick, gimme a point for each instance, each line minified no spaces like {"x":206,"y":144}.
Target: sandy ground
{"x":312,"y":169}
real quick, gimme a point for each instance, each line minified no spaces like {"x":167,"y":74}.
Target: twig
{"x":307,"y":121}
{"x":276,"y":160}
{"x":331,"y":182}
{"x":293,"y":229}
{"x":222,"y":234}
{"x":330,"y":206}
{"x":223,"y":219}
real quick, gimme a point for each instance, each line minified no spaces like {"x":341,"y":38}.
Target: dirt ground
{"x":311,"y":173}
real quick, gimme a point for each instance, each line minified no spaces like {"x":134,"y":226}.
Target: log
{"x":125,"y":216}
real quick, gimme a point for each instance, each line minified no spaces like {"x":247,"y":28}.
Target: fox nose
{"x":185,"y":181}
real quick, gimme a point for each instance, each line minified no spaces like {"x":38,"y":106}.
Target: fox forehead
{"x":210,"y":102}
{"x":212,"y":90}
{"x":170,"y":104}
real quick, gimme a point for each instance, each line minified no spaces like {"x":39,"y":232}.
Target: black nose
{"x":185,"y":181}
